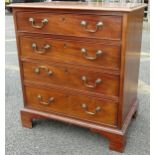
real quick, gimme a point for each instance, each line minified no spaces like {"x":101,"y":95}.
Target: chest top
{"x":124,"y":7}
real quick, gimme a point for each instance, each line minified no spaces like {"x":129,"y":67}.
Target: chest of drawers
{"x":79,"y":63}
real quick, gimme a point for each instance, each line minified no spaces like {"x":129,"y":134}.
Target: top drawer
{"x":91,"y":26}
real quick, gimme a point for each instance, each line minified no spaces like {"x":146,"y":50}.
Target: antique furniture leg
{"x":117,"y":143}
{"x":117,"y":140}
{"x":26,"y":119}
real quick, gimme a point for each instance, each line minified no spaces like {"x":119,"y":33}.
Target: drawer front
{"x":83,"y":53}
{"x":67,"y":76}
{"x":82,"y":107}
{"x":92,"y":26}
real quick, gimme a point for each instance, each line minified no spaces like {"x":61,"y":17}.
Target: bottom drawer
{"x":80,"y":106}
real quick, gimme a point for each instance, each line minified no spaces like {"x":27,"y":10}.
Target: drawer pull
{"x":85,"y":54}
{"x":85,"y":107}
{"x":43,"y":23}
{"x":85,"y":80}
{"x":37,"y":70}
{"x":40,"y":98}
{"x":85,"y":24}
{"x":40,"y":50}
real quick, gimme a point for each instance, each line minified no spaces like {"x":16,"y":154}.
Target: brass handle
{"x":40,"y":98}
{"x":85,"y":107}
{"x":85,"y":24}
{"x":85,"y":54}
{"x":40,"y":50}
{"x":37,"y":70}
{"x":43,"y":23}
{"x":85,"y":80}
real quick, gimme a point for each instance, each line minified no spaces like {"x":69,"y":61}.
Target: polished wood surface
{"x":93,"y":6}
{"x":132,"y":57}
{"x":60,"y":68}
{"x":70,"y":25}
{"x":72,"y":105}
{"x":71,"y":77}
{"x":69,"y":51}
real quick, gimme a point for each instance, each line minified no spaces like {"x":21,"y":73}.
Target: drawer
{"x":92,"y":26}
{"x":82,"y":53}
{"x":72,"y":77}
{"x":82,"y":107}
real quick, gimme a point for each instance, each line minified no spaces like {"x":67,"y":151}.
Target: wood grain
{"x":132,"y":56}
{"x":69,"y":25}
{"x":69,"y":51}
{"x":72,"y":105}
{"x":71,"y":77}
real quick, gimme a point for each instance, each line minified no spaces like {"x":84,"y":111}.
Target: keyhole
{"x":65,"y":45}
{"x":63,"y":18}
{"x":66,"y":71}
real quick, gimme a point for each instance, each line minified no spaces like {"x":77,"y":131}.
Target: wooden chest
{"x":79,"y":63}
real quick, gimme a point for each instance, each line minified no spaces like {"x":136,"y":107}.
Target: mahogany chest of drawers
{"x":79,"y":63}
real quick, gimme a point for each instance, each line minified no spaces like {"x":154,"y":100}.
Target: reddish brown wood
{"x":120,"y":109}
{"x":132,"y":59}
{"x":71,"y":77}
{"x":69,"y":25}
{"x":20,"y":62}
{"x":72,"y":105}
{"x":26,"y":119}
{"x":117,"y":143}
{"x":69,"y":51}
{"x":71,"y":91}
{"x":117,"y":68}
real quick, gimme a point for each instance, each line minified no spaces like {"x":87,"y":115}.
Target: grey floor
{"x":55,"y":138}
